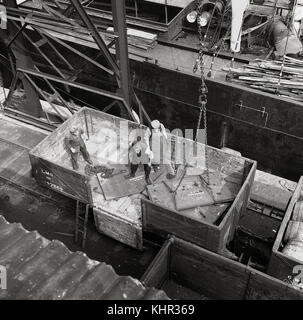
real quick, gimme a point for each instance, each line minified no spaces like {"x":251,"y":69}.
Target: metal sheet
{"x":119,"y":186}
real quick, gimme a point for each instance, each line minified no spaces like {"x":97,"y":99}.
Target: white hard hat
{"x":155,"y":124}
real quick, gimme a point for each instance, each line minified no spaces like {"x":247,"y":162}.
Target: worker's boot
{"x":129,"y":176}
{"x":133,"y":169}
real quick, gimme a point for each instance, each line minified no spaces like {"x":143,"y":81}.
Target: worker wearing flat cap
{"x":75,"y":145}
{"x":140,"y":153}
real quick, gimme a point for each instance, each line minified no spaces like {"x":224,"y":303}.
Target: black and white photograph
{"x":151,"y":153}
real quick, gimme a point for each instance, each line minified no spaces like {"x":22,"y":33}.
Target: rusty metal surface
{"x":41,"y":269}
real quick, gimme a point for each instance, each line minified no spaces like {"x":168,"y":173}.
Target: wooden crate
{"x":52,"y":168}
{"x":163,"y":221}
{"x":280,"y":265}
{"x":187,"y":271}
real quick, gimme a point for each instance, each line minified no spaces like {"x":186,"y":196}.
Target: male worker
{"x":74,"y":144}
{"x":156,"y":138}
{"x":139,"y":152}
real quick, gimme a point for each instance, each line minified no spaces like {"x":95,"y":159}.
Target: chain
{"x":203,"y":91}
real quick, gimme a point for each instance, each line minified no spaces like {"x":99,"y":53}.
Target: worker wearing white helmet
{"x":156,"y":139}
{"x":139,"y":153}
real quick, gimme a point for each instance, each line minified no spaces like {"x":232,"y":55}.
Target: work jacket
{"x":74,"y":141}
{"x":158,"y":144}
{"x":139,"y":153}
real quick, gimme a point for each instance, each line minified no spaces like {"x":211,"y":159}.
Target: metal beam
{"x":95,"y":34}
{"x":17,"y":34}
{"x":72,"y":49}
{"x":85,"y":87}
{"x":120,"y":28}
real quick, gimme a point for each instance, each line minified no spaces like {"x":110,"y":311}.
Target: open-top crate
{"x":186,"y":271}
{"x":52,"y":168}
{"x":201,"y":225}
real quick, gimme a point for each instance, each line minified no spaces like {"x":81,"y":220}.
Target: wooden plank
{"x":159,"y":270}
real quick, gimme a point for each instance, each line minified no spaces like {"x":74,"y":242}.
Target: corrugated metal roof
{"x":41,"y":269}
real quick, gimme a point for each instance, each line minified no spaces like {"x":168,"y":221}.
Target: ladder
{"x":81,"y":223}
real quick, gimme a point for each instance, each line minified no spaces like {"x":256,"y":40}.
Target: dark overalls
{"x":76,"y":142}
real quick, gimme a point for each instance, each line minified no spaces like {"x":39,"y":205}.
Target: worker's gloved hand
{"x":73,"y":150}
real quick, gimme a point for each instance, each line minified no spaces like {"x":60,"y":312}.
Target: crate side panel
{"x":62,"y":180}
{"x":238,"y":208}
{"x":207,"y":273}
{"x":119,"y":229}
{"x":164,"y":222}
{"x":264,"y":287}
{"x":158,"y":271}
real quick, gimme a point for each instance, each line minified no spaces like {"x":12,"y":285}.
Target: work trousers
{"x":75,"y":157}
{"x":134,"y":168}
